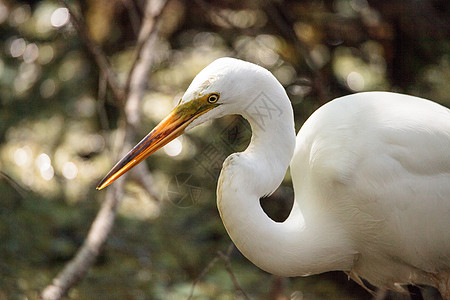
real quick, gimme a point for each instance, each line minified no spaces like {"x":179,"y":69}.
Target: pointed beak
{"x":167,"y":130}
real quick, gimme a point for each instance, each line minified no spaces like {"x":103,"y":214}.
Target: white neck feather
{"x":291,"y":248}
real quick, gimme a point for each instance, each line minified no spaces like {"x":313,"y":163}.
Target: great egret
{"x":371,"y":174}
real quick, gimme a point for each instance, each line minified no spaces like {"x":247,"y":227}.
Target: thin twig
{"x":207,"y":7}
{"x":202,"y":274}
{"x":381,"y":294}
{"x":212,"y":10}
{"x":144,"y":177}
{"x":102,"y":86}
{"x":14,"y":184}
{"x":286,"y":31}
{"x":149,"y":25}
{"x":98,"y":54}
{"x":279,"y":15}
{"x":226,"y":259}
{"x":133,"y":15}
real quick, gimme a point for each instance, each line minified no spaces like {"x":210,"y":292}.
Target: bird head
{"x":219,"y":89}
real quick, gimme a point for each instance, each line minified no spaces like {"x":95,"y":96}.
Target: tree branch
{"x":98,"y":54}
{"x":226,"y":258}
{"x":202,"y":274}
{"x":100,"y":229}
{"x":138,"y":78}
{"x":102,"y":86}
{"x":134,"y":89}
{"x":133,"y":15}
{"x":16,"y":186}
{"x":279,"y":15}
{"x":144,"y":177}
{"x":77,"y":268}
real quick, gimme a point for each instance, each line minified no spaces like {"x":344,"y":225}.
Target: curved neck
{"x":291,"y":248}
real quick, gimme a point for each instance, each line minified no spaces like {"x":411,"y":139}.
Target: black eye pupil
{"x":213,"y":98}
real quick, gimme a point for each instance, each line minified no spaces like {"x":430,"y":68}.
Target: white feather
{"x":371,"y":174}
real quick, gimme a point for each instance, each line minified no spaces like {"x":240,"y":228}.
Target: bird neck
{"x":290,"y":248}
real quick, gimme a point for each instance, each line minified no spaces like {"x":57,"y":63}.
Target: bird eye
{"x":213,"y":98}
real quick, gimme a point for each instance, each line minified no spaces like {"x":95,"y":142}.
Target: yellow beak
{"x":167,"y":130}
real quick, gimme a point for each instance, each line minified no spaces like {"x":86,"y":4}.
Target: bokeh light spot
{"x":355,"y":81}
{"x":47,"y":88}
{"x":60,"y":17}
{"x":20,"y":157}
{"x":31,"y":53}
{"x":43,"y":161}
{"x":47,"y":173}
{"x":17,"y":47}
{"x":70,"y":170}
{"x":46,"y":54}
{"x":174,"y":147}
{"x":19,"y":15}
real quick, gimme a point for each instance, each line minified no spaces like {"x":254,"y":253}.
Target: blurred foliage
{"x":55,"y":132}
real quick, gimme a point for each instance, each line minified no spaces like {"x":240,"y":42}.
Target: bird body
{"x":378,"y":164}
{"x":371,"y":175}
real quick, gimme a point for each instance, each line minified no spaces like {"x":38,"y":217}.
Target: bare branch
{"x":137,"y":78}
{"x":202,"y":274}
{"x":277,"y":289}
{"x":97,"y":53}
{"x":207,"y":7}
{"x":226,"y":259}
{"x":77,"y":268}
{"x":278,"y":13}
{"x":102,"y":86}
{"x":381,"y":294}
{"x":133,"y":15}
{"x":144,"y":177}
{"x":16,"y":186}
{"x":214,"y":11}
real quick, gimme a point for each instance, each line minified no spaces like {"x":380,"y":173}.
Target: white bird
{"x":371,"y":175}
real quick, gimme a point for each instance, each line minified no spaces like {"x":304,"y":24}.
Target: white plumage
{"x":371,"y":175}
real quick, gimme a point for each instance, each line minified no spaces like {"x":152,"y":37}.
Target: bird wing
{"x":378,"y":164}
